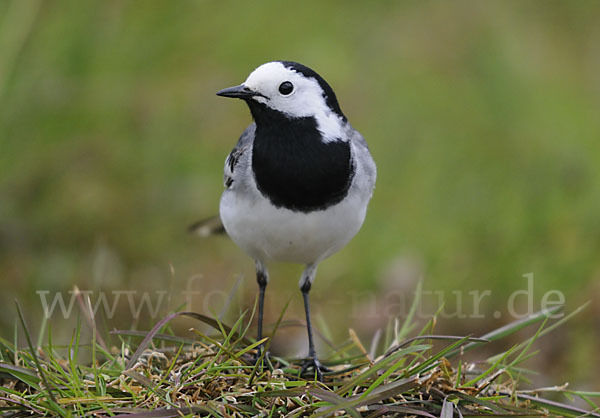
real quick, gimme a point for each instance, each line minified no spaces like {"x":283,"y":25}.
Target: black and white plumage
{"x":299,"y":179}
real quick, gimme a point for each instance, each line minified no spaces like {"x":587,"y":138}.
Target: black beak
{"x":238,"y":92}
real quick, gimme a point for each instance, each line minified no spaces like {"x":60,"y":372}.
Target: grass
{"x":213,"y":375}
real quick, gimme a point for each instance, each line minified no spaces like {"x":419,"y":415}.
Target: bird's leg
{"x":311,"y":362}
{"x":262,"y":278}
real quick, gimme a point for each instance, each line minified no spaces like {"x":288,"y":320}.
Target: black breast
{"x":293,"y":167}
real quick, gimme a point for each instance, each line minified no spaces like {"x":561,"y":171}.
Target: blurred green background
{"x":483,"y":118}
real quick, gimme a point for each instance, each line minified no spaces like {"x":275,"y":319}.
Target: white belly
{"x":268,"y":233}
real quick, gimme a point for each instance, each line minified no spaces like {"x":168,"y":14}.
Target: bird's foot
{"x":312,"y":363}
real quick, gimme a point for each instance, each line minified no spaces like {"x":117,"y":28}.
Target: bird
{"x":298,"y":181}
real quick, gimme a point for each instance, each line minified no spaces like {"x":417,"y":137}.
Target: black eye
{"x":286,"y":88}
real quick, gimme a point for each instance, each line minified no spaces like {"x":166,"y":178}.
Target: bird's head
{"x":292,"y":90}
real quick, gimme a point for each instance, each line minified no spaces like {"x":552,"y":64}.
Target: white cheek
{"x":310,"y":105}
{"x":286,"y":105}
{"x":330,"y":126}
{"x":260,"y":99}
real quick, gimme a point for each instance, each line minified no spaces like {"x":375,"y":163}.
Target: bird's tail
{"x":208,"y":227}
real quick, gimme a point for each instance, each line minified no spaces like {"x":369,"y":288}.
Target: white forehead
{"x":272,"y":74}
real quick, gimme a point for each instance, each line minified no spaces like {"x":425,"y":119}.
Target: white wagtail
{"x":298,"y":182}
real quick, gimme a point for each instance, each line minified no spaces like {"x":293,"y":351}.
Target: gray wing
{"x":235,"y":164}
{"x":364,"y":163}
{"x":356,"y":137}
{"x":237,"y":159}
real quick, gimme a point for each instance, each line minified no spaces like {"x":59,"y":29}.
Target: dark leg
{"x":311,"y":362}
{"x":312,"y":353}
{"x":262,"y":279}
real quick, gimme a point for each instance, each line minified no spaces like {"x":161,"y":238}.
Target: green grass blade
{"x":34,"y":355}
{"x":509,"y":329}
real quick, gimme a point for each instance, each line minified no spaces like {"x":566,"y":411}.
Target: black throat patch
{"x":293,"y":167}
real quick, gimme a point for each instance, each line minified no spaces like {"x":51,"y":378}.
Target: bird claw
{"x":314,"y":364}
